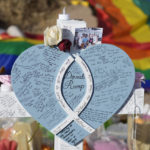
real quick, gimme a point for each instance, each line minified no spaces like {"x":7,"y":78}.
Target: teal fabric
{"x":144,"y":5}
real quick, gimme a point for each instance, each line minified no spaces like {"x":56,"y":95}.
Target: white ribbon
{"x":73,"y":115}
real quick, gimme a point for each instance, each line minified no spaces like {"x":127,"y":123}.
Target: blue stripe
{"x":146,"y":85}
{"x":7,"y":61}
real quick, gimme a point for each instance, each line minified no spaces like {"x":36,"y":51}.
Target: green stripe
{"x":144,"y":5}
{"x":13,"y":48}
{"x":145,"y":72}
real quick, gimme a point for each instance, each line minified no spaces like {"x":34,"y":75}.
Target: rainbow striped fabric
{"x":11,"y":47}
{"x":126,"y":24}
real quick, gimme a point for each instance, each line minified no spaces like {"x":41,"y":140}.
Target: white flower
{"x":52,"y":36}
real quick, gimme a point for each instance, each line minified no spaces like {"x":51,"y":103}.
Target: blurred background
{"x":126,"y":24}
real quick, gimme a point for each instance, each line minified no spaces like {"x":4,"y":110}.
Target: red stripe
{"x":138,"y":46}
{"x":34,"y":36}
{"x":4,"y":36}
{"x":92,"y":2}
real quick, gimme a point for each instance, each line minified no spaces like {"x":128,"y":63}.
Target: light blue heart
{"x":33,"y":79}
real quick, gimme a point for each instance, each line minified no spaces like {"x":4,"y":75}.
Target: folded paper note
{"x":72,"y":95}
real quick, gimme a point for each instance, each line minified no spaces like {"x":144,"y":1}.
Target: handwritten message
{"x":72,"y":95}
{"x":10,"y":106}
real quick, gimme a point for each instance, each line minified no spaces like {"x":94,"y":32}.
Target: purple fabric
{"x":109,"y":145}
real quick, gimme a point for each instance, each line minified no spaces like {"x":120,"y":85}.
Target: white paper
{"x":137,"y":97}
{"x":61,"y":145}
{"x":10,"y":106}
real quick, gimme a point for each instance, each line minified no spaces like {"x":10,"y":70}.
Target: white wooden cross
{"x":11,"y":107}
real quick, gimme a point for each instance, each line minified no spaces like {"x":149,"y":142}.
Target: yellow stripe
{"x":142,"y":64}
{"x":136,"y":18}
{"x":24,"y":40}
{"x":132,"y":13}
{"x":142,"y":34}
{"x":34,"y":41}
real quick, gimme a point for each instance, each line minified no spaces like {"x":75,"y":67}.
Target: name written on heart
{"x":69,"y":84}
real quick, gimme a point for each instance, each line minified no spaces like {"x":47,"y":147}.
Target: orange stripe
{"x":125,"y":38}
{"x":121,"y":30}
{"x":120,"y":25}
{"x":136,"y":18}
{"x":134,"y":53}
{"x":134,"y":50}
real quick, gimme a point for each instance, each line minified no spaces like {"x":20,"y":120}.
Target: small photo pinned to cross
{"x":85,"y":37}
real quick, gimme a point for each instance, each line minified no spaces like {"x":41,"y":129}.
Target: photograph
{"x":85,"y":37}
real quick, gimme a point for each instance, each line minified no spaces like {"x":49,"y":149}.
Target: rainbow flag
{"x":126,"y":24}
{"x":11,"y":47}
